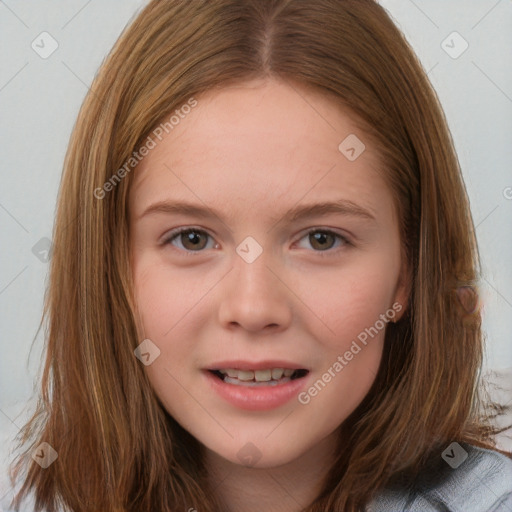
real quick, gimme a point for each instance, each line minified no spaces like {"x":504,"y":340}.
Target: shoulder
{"x":464,"y":477}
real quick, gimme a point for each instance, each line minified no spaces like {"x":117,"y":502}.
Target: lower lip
{"x":259,"y":398}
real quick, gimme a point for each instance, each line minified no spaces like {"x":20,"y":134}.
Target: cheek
{"x":170,"y":309}
{"x":164,"y":298}
{"x":354,"y":302}
{"x":161,"y":310}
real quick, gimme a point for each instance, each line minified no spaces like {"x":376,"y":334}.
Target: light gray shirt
{"x":478,"y":482}
{"x":464,"y":479}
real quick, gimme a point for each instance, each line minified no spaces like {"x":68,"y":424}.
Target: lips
{"x":258,"y":385}
{"x":256,"y":365}
{"x":257,"y":396}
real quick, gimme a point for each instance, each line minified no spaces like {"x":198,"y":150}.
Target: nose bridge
{"x":255,"y":298}
{"x":252,"y":268}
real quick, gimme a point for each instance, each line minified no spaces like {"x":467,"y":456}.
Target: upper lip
{"x":256,"y":365}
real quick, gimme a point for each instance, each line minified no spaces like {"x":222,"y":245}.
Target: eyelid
{"x":169,"y":236}
{"x":174,"y":233}
{"x":328,"y":252}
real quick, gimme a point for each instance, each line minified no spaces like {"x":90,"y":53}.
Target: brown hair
{"x":97,"y":404}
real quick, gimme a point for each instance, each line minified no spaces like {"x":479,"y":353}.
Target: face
{"x":269,"y":311}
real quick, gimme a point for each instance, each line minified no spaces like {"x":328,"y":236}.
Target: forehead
{"x":263,"y":142}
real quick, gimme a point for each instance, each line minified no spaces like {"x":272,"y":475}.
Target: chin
{"x":261,"y":453}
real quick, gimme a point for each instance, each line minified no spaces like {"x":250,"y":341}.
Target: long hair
{"x":118,"y":449}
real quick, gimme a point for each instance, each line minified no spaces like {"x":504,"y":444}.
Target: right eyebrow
{"x":341,"y":207}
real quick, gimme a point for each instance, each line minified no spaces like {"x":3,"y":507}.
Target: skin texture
{"x":252,"y":152}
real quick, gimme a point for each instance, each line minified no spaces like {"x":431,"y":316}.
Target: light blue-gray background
{"x":40,"y":98}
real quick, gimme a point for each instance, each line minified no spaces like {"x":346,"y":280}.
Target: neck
{"x":288,"y":487}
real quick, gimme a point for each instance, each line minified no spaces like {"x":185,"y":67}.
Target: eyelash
{"x":328,"y":252}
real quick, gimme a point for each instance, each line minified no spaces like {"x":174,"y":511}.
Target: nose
{"x":255,"y":297}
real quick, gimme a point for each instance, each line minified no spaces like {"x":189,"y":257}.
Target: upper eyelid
{"x":177,"y":231}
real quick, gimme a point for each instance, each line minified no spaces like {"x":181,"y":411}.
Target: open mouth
{"x":255,"y":378}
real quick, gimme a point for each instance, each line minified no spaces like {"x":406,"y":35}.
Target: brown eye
{"x":321,"y":240}
{"x":326,"y":241}
{"x":190,"y":239}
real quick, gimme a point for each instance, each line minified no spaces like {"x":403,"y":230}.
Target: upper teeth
{"x":258,"y":375}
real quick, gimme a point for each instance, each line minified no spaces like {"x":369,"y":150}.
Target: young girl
{"x":263,"y":284}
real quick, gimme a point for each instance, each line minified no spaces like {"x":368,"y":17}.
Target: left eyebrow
{"x":341,"y":207}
